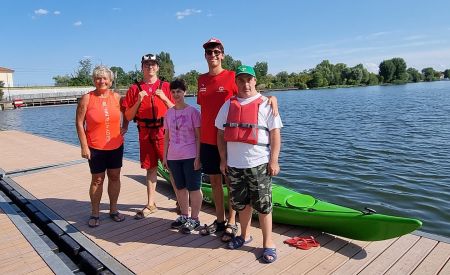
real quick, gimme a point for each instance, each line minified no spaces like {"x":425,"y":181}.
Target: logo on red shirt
{"x":221,"y":89}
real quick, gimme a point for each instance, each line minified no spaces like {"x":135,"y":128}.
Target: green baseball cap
{"x":244,"y":69}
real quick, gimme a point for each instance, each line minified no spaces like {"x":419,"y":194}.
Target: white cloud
{"x":186,"y":12}
{"x":56,"y":12}
{"x":371,"y":67}
{"x":41,"y":12}
{"x":78,"y":23}
{"x":116,"y":9}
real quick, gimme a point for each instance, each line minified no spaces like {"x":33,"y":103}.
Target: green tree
{"x":355,"y":76}
{"x":283,"y":79}
{"x":83,"y":75}
{"x":365,"y":74}
{"x":400,"y":74}
{"x":166,"y":67}
{"x":62,"y":80}
{"x":338,"y":71}
{"x":387,"y":70}
{"x":229,"y":63}
{"x":304,"y":76}
{"x":191,"y":80}
{"x":428,"y":74}
{"x":413,"y":75}
{"x":447,"y":73}
{"x":122,"y":79}
{"x":135,"y":75}
{"x":261,"y":69}
{"x":437,"y":75}
{"x":2,"y":84}
{"x":373,"y":79}
{"x":317,"y":80}
{"x":327,"y":71}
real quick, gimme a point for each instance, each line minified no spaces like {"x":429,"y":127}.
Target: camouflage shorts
{"x":251,"y":186}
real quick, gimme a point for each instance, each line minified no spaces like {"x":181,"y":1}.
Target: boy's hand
{"x":273,"y":168}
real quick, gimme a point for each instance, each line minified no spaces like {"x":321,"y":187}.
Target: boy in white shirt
{"x":249,"y":144}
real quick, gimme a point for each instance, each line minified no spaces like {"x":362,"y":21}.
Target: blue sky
{"x":41,"y":39}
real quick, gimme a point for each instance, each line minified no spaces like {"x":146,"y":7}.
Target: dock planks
{"x":17,"y":256}
{"x":149,"y":246}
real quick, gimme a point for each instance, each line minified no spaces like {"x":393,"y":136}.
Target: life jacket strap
{"x":150,"y":122}
{"x":245,"y":125}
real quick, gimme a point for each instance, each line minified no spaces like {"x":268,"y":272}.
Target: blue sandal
{"x":238,"y":242}
{"x":269,"y":252}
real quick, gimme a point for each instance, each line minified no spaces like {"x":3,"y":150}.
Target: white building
{"x":6,"y":75}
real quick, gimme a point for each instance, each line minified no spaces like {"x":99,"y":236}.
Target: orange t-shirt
{"x":103,"y":122}
{"x":213,"y":91}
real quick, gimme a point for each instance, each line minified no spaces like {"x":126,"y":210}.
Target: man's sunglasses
{"x":215,"y":52}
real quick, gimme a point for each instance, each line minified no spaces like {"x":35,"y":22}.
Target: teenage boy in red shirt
{"x":147,"y":103}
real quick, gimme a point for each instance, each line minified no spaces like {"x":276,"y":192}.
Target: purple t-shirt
{"x":181,"y":125}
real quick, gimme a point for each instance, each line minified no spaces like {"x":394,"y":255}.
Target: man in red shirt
{"x":146,"y":103}
{"x":214,"y":88}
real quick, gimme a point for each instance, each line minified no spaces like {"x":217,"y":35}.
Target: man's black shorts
{"x":210,"y":159}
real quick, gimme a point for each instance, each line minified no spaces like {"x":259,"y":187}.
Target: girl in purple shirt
{"x":182,"y":156}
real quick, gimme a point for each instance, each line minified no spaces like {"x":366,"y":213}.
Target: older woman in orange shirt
{"x":98,"y":121}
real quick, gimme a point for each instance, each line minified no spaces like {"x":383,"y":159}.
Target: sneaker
{"x":179,"y":222}
{"x":189,"y":226}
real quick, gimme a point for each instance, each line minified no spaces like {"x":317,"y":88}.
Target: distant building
{"x":6,"y":75}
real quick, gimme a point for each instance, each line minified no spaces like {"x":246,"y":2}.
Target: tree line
{"x":325,"y":74}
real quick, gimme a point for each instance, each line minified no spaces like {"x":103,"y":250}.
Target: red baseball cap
{"x":212,"y":40}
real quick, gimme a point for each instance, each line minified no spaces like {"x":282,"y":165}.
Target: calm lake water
{"x":387,"y":148}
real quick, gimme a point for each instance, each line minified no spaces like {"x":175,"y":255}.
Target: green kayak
{"x":294,"y":208}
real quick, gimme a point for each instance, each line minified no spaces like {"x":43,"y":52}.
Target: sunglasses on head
{"x":148,"y":57}
{"x":215,"y":52}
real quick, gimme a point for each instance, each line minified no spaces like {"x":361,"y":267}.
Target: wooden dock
{"x":52,"y":176}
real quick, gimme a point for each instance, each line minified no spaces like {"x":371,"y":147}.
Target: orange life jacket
{"x":155,"y":109}
{"x":242,"y":122}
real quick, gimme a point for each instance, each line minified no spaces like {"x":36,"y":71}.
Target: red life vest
{"x":155,"y":109}
{"x":242,"y":122}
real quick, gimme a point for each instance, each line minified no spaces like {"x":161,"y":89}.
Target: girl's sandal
{"x":145,"y":212}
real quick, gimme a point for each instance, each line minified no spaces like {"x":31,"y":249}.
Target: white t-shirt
{"x":245,"y":155}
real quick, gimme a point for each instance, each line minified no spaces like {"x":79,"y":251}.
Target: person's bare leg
{"x":217,"y":190}
{"x":113,"y":188}
{"x":151,"y":186}
{"x":172,"y":182}
{"x":196,"y":198}
{"x":245,"y":217}
{"x":95,"y":192}
{"x":231,"y":211}
{"x":265,"y":221}
{"x":183,"y":201}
